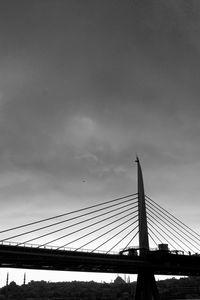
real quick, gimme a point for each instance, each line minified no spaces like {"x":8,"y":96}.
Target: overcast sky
{"x":84,"y":86}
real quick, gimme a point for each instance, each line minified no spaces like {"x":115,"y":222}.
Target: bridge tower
{"x":146,"y":288}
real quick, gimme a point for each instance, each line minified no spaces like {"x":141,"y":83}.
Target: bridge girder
{"x":156,"y":262}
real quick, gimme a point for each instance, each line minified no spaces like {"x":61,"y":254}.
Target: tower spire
{"x":143,"y":229}
{"x":146,"y":288}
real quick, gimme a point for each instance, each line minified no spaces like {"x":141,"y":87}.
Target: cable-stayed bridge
{"x":131,"y":234}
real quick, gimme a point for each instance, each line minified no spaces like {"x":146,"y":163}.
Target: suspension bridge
{"x":130,"y":234}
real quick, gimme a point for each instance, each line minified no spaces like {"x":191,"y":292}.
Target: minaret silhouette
{"x":7,"y":279}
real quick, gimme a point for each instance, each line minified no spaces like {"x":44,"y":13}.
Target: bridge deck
{"x":50,"y":259}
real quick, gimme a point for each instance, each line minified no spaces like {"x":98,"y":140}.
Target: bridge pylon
{"x":146,"y":288}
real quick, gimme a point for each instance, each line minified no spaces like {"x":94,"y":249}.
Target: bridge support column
{"x":146,"y":288}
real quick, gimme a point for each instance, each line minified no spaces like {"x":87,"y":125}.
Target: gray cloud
{"x":83,"y":88}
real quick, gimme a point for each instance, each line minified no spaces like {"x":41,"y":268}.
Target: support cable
{"x":166,"y":217}
{"x":102,"y":234}
{"x":149,"y":228}
{"x":131,"y":240}
{"x":121,"y":240}
{"x":99,"y":228}
{"x":78,"y":230}
{"x":176,"y":243}
{"x":162,"y":220}
{"x":160,"y":235}
{"x":171,"y":234}
{"x":60,"y":222}
{"x":174,"y":217}
{"x":114,"y":236}
{"x":65,"y":214}
{"x":153,"y":239}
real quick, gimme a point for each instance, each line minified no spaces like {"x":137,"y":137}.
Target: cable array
{"x":105,"y":226}
{"x":166,"y":228}
{"x":108,"y":226}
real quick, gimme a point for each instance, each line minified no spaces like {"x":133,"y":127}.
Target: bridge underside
{"x":156,"y":262}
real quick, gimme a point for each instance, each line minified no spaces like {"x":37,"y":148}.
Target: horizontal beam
{"x":157,"y":262}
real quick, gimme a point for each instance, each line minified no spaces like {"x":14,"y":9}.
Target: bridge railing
{"x":55,"y":248}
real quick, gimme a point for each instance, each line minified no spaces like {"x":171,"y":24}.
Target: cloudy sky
{"x":84,"y":86}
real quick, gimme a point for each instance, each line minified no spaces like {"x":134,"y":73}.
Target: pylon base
{"x":146,"y":288}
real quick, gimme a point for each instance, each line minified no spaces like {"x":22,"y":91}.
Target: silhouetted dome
{"x":119,"y":280}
